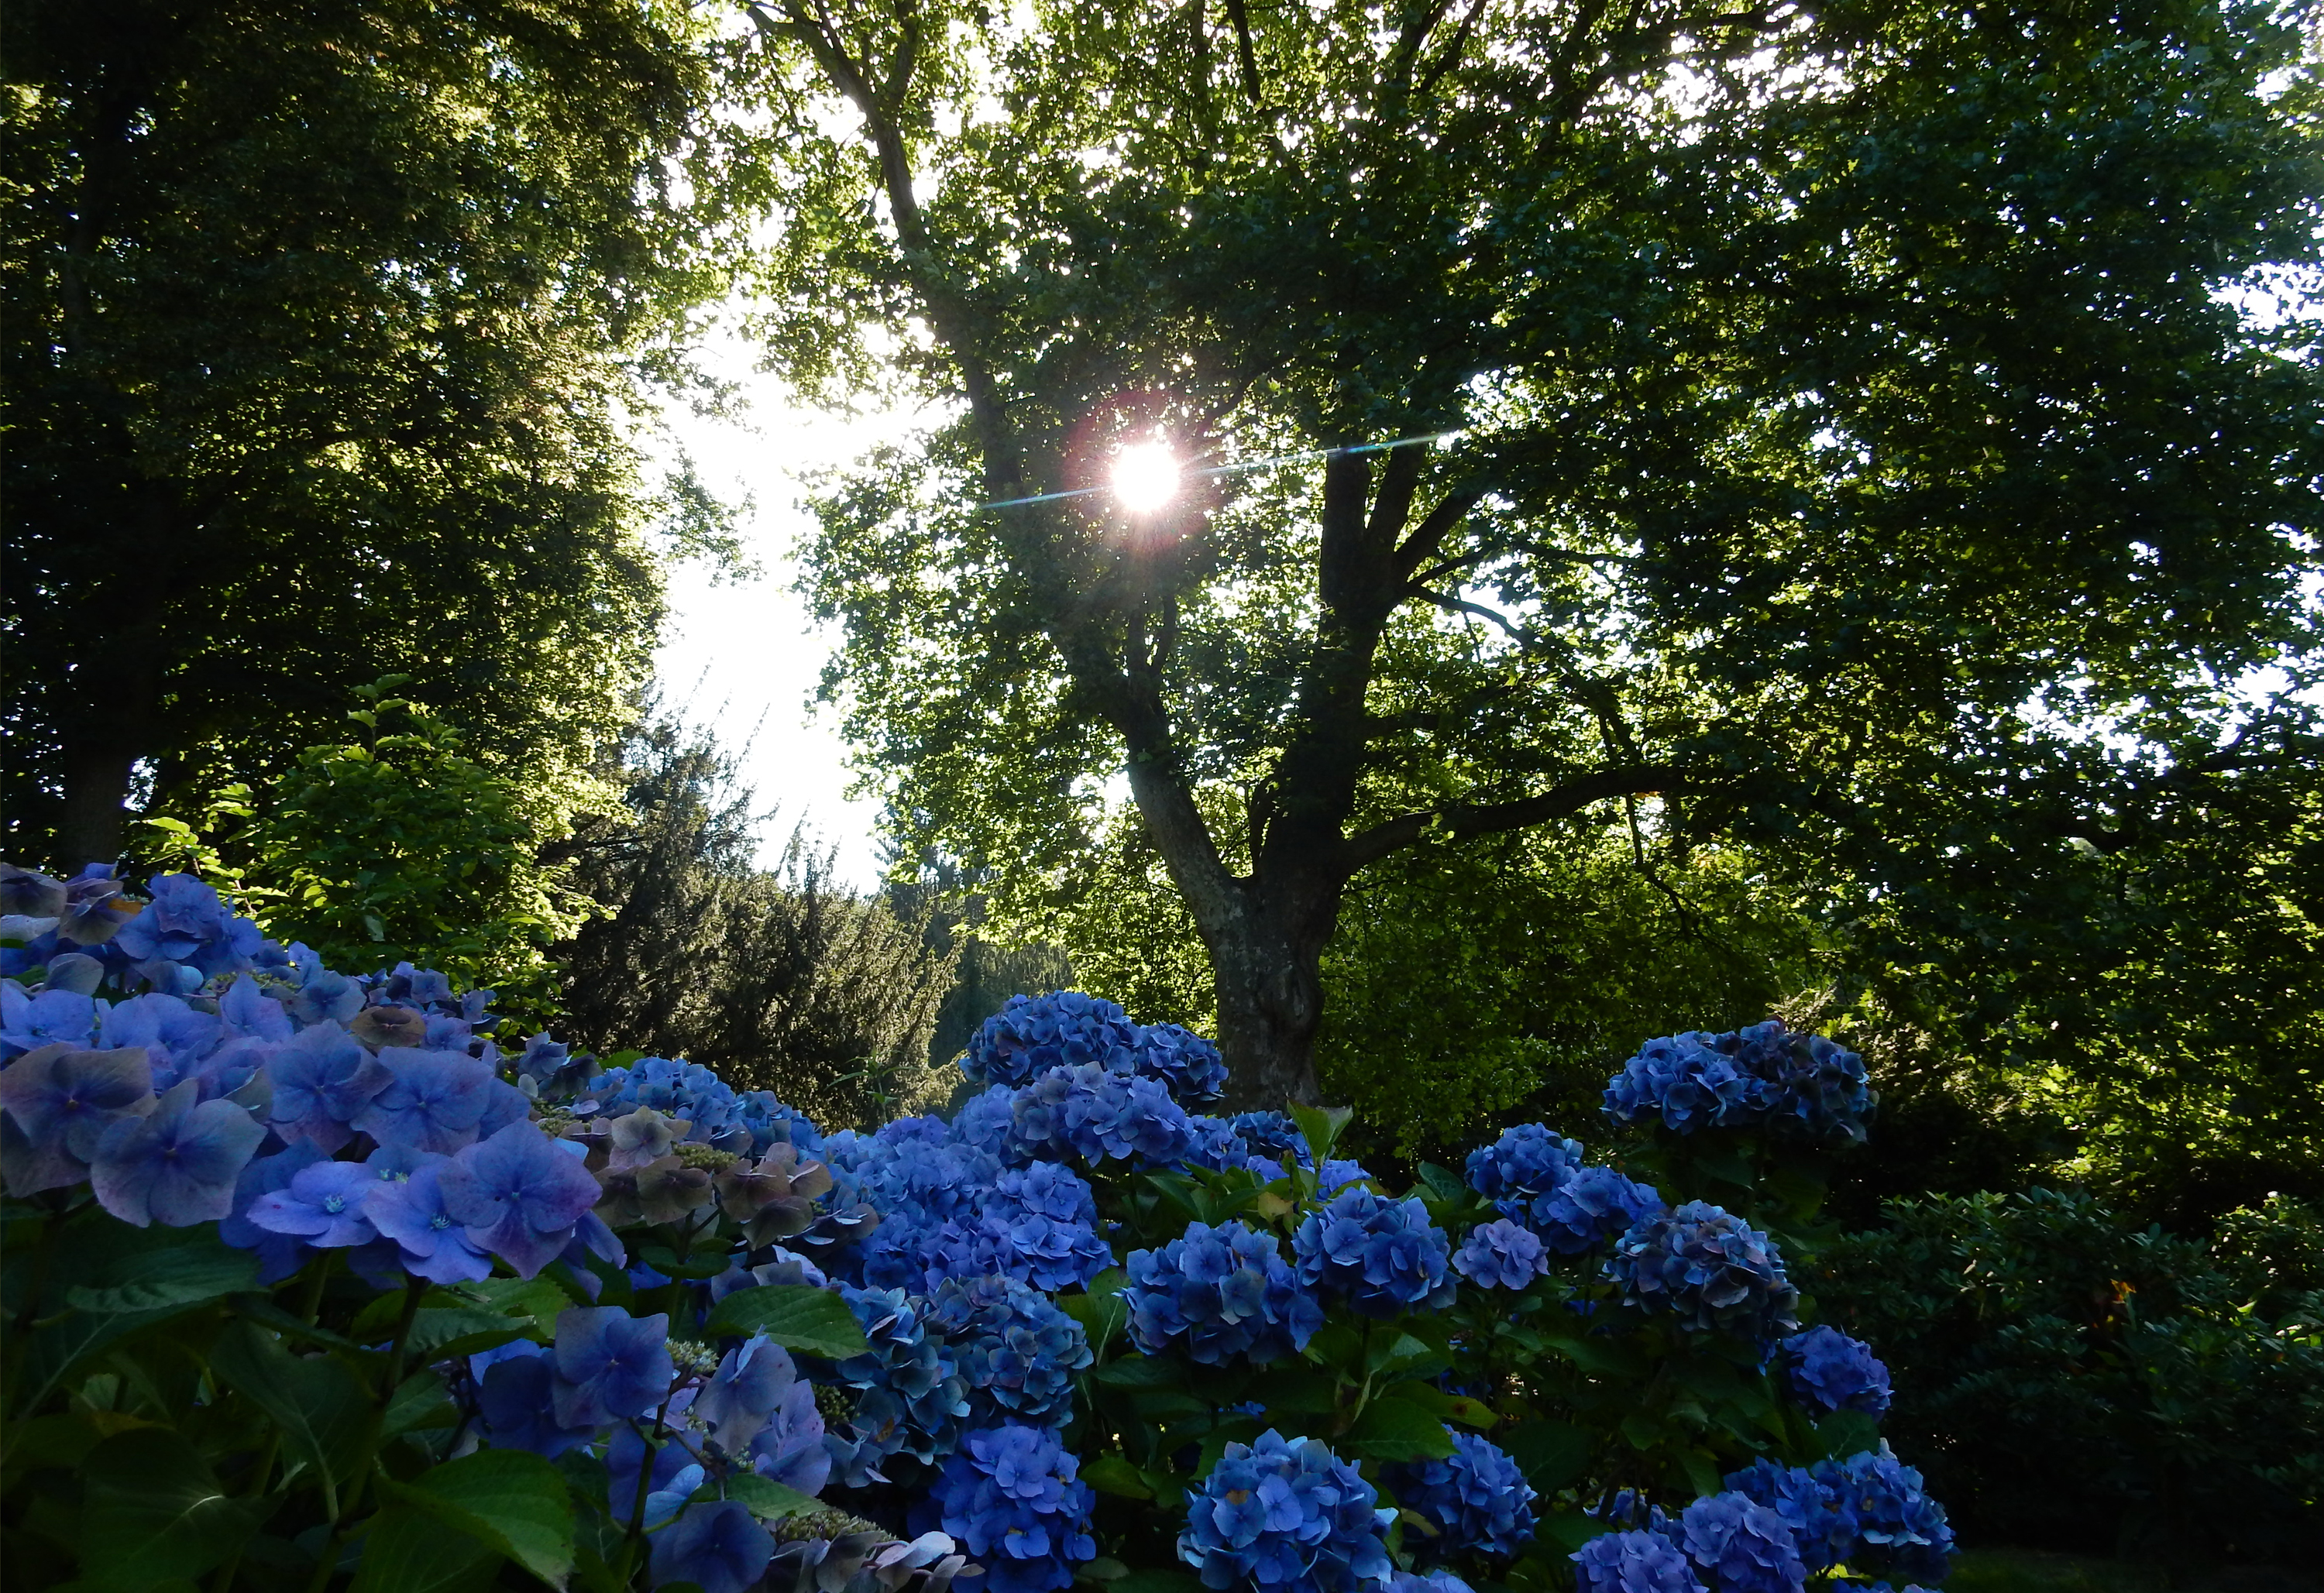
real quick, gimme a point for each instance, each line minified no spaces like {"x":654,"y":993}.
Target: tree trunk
{"x":1266,"y":967}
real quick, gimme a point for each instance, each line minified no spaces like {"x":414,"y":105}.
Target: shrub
{"x":313,"y":1278}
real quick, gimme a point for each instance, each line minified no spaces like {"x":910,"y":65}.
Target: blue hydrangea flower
{"x":1013,"y":1497}
{"x":1500,"y":1255}
{"x":609,"y":1365}
{"x":1741,"y":1545}
{"x":982,"y":1121}
{"x":1212,"y":1144}
{"x":1018,"y":1351}
{"x":1382,"y":1256}
{"x":433,"y":1100}
{"x":322,"y":1080}
{"x":1284,"y":1513}
{"x":519,"y":1196}
{"x":323,"y":1204}
{"x":174,"y":1034}
{"x":1633,"y":1562}
{"x":1593,"y":1208}
{"x":179,"y":1165}
{"x":1088,"y":1112}
{"x":1823,"y":1526}
{"x":1183,"y":1062}
{"x":1524,"y":1165}
{"x":1476,"y":1498}
{"x":672,"y":1476}
{"x":912,"y":1397}
{"x":743,"y":1395}
{"x":53,"y":1018}
{"x":1900,"y":1531}
{"x":1270,"y":1136}
{"x":1763,"y":1076}
{"x":56,"y":1106}
{"x":516,"y":1400}
{"x":186,"y":922}
{"x":1030,"y":1034}
{"x":1435,"y":1581}
{"x":279,"y":1253}
{"x":789,"y":1449}
{"x":1829,"y":1371}
{"x":1711,"y":1269}
{"x":720,"y":1547}
{"x":1333,"y":1177}
{"x":433,"y":1244}
{"x":1217,"y":1292}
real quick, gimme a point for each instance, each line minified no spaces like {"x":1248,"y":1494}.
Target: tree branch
{"x":1462,"y":821}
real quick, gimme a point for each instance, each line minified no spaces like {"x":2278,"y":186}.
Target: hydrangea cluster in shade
{"x":1032,"y":1035}
{"x":1380,"y":1257}
{"x":1899,"y":1530}
{"x":1829,"y":1371}
{"x":1740,"y":1546}
{"x":1476,"y":1499}
{"x":1214,"y":1294}
{"x":1089,"y":1114}
{"x":1500,"y":1255}
{"x":1284,"y":1513}
{"x":910,"y":1398}
{"x":1535,"y":1177}
{"x":947,"y":1208}
{"x":1018,"y":1351}
{"x":1014,"y":1498}
{"x":1709,"y":1269}
{"x":1525,"y":1166}
{"x":1761,"y":1077}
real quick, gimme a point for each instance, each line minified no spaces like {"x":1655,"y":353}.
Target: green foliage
{"x":2069,"y":1378}
{"x":322,"y":322}
{"x":400,"y":847}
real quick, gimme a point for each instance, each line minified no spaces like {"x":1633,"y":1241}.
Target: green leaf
{"x":433,"y":1330}
{"x":1443,"y":1406}
{"x":167,"y":1279}
{"x":1445,"y":1184}
{"x":1104,"y":1569}
{"x":796,"y":1316}
{"x":1701,"y":1472}
{"x":1158,"y":1579}
{"x":153,"y":1511}
{"x":1552,"y":1454}
{"x":1393,"y":1430}
{"x":514,"y":1502}
{"x":420,"y":1401}
{"x":323,"y":1413}
{"x":766,"y":1499}
{"x":1101,"y":1316}
{"x":408,"y":1551}
{"x":1320,"y":1127}
{"x":1847,"y":1433}
{"x":1140,"y":1371}
{"x":1110,"y":1474}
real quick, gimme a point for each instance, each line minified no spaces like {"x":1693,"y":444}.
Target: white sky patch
{"x":742,"y":659}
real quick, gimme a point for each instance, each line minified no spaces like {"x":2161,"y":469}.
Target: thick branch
{"x":1463,"y":822}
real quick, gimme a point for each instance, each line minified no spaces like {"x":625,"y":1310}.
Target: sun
{"x":1145,"y":476}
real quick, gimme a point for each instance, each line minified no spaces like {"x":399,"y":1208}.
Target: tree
{"x":319,"y":314}
{"x":778,"y":978}
{"x":1854,"y":448}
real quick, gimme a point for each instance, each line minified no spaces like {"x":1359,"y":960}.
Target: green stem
{"x":636,"y":1538}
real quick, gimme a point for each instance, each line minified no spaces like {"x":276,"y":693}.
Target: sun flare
{"x":1145,"y":476}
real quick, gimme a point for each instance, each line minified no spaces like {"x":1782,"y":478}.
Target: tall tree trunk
{"x":1266,"y":967}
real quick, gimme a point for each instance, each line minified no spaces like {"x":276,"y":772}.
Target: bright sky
{"x":742,"y":659}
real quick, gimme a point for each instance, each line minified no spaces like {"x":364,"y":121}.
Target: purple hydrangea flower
{"x":720,"y":1547}
{"x":53,"y":1018}
{"x":1633,"y":1562}
{"x":279,"y":1253}
{"x":410,"y":1210}
{"x":322,"y":1080}
{"x":57,"y":1104}
{"x":519,"y":1196}
{"x":186,"y":922}
{"x":743,"y":1393}
{"x":176,"y":1165}
{"x":609,"y":1365}
{"x":1501,"y":1255}
{"x":1382,"y":1256}
{"x":433,"y":1101}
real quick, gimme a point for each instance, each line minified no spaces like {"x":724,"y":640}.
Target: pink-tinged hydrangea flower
{"x":176,"y":1165}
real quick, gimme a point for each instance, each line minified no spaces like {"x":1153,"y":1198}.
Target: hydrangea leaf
{"x":514,"y":1503}
{"x":154,"y":1512}
{"x":171,"y":1277}
{"x":1846,"y":1432}
{"x":1320,"y":1127}
{"x":321,"y":1410}
{"x":796,"y":1316}
{"x":408,"y":1551}
{"x":1393,"y":1430}
{"x":1156,"y":1580}
{"x":451,"y":1331}
{"x":1551,"y":1453}
{"x":1110,"y":1474}
{"x":420,"y":1402}
{"x":766,"y":1499}
{"x":1443,"y":1407}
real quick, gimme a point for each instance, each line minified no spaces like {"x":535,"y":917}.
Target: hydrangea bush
{"x":319,"y":1280}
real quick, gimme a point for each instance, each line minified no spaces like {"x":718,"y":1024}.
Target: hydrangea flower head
{"x":1633,"y":1562}
{"x":718,"y":1546}
{"x":1829,"y":1371}
{"x":56,"y":1106}
{"x":1743,"y":1546}
{"x":322,"y":1080}
{"x":1017,"y":1350}
{"x":1284,"y":1513}
{"x":53,"y":1018}
{"x":433,"y":1100}
{"x":912,"y":1398}
{"x":1823,"y":1528}
{"x":1012,"y":1495}
{"x":1760,"y":1077}
{"x":1382,"y":1256}
{"x":434,"y":1244}
{"x":609,"y":1365}
{"x":1030,"y":1034}
{"x":1095,"y":1115}
{"x":186,"y":922}
{"x":516,"y":1400}
{"x":1709,"y":1269}
{"x":324,"y":1204}
{"x":1900,"y":1531}
{"x":1500,"y":1255}
{"x":1183,"y":1062}
{"x":176,"y":1165}
{"x":1219,"y":1293}
{"x":518,"y":1196}
{"x":1592,"y":1210}
{"x":1476,"y":1499}
{"x":1526,"y":1163}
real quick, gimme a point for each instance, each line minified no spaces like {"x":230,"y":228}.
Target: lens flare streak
{"x":1237,"y":468}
